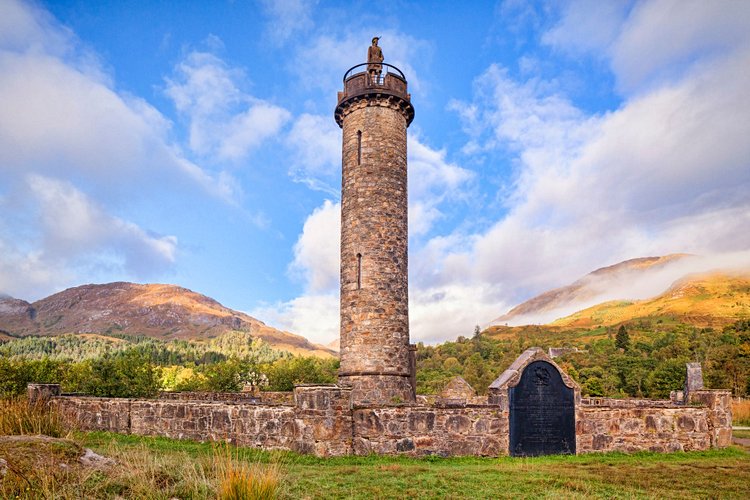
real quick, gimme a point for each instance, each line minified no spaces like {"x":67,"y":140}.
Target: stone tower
{"x":374,"y":111}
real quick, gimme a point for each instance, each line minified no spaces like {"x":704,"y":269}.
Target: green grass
{"x":716,"y":473}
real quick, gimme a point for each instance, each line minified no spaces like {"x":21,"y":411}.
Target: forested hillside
{"x":645,"y":358}
{"x":640,"y":359}
{"x":136,"y":366}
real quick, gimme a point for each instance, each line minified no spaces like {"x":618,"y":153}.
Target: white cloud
{"x":72,"y":147}
{"x":24,"y":26}
{"x":224,"y":121}
{"x":317,"y":251}
{"x":432,"y":181}
{"x":74,"y":234}
{"x":654,"y":41}
{"x":288,"y":17}
{"x":587,"y":26}
{"x":441,"y":313}
{"x":660,"y":38}
{"x":314,"y":316}
{"x":316,"y":143}
{"x":72,"y":224}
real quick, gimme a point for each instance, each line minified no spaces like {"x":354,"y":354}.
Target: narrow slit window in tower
{"x":359,"y":271}
{"x":359,"y":149}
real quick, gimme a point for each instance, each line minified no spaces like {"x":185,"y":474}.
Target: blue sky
{"x":194,"y":143}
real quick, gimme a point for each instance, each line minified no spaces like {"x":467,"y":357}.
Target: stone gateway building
{"x":532,"y":408}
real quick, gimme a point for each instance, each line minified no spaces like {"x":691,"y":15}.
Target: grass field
{"x":713,"y":474}
{"x":36,"y":466}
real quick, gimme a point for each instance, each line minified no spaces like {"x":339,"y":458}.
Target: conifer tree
{"x":622,"y":339}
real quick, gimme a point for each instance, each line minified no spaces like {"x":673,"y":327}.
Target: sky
{"x":193,"y":143}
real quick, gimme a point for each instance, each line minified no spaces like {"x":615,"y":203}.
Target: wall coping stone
{"x":512,"y":376}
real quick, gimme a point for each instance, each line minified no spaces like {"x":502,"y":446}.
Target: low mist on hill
{"x":636,"y":279}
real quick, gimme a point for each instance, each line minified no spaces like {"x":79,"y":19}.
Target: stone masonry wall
{"x":637,"y":426}
{"x":719,"y":404}
{"x":323,"y":422}
{"x":95,"y":414}
{"x":265,"y":397}
{"x":415,"y":430}
{"x":319,"y":422}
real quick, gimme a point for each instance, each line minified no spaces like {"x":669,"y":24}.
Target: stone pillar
{"x":42,"y":393}
{"x":413,"y":370}
{"x":693,"y":379}
{"x":323,"y":420}
{"x":719,"y":404}
{"x":374,"y":332}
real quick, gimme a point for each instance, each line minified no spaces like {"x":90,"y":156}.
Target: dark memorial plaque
{"x":542,"y":413}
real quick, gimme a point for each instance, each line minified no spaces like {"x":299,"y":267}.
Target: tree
{"x":667,"y":377}
{"x":622,"y":339}
{"x":126,"y":375}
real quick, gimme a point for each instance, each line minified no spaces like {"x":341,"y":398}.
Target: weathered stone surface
{"x":719,"y":404}
{"x":634,"y":425}
{"x":457,"y":390}
{"x":374,"y":338}
{"x":90,"y":413}
{"x":245,"y":397}
{"x":693,"y":377}
{"x":417,"y":430}
{"x":41,"y":393}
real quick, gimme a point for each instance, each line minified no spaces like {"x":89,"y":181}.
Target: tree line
{"x":644,"y":358}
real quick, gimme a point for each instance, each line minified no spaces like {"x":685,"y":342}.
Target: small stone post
{"x":693,"y":379}
{"x":42,"y":393}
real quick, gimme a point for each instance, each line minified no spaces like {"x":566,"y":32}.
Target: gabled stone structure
{"x":457,"y":389}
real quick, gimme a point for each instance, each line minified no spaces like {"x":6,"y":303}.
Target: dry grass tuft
{"x":19,"y":418}
{"x":741,"y":411}
{"x":141,"y":473}
{"x":239,"y":480}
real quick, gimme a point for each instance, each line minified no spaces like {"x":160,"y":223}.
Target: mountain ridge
{"x":711,"y":299}
{"x":578,"y":295}
{"x":161,"y":311}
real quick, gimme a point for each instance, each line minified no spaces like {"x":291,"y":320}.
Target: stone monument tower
{"x":374,"y":110}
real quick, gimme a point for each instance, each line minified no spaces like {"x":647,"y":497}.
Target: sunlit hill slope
{"x":707,"y":300}
{"x":165,"y":312}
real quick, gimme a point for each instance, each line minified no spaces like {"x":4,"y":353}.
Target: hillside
{"x":706,"y":300}
{"x":165,"y":312}
{"x":600,"y":285}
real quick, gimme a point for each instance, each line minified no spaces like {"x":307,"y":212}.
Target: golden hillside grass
{"x":713,"y":300}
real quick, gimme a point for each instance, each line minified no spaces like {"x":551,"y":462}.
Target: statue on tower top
{"x":374,"y":58}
